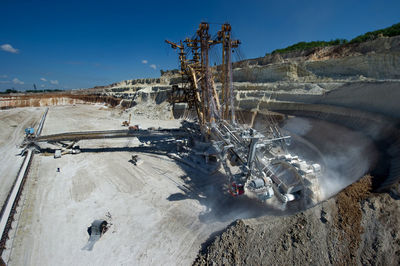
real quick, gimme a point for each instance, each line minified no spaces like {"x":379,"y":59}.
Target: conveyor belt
{"x":75,"y":136}
{"x":9,"y":209}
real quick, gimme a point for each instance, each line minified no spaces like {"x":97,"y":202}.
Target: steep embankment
{"x":356,"y":227}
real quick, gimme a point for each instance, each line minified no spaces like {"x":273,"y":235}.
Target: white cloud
{"x":144,"y":61}
{"x":42,"y":86}
{"x":17,"y":81}
{"x":43,"y":79}
{"x":4,"y":81}
{"x":54,"y":82}
{"x":153,"y":66}
{"x":3,"y":76}
{"x":8,"y":48}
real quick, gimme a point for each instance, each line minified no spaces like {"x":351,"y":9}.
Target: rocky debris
{"x":348,"y":218}
{"x":380,"y":243}
{"x":161,"y":111}
{"x":355,"y":227}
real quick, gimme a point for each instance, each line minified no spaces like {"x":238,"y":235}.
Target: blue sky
{"x":81,"y":44}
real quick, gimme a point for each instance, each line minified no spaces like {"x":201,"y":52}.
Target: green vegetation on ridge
{"x":391,"y":31}
{"x":306,"y":45}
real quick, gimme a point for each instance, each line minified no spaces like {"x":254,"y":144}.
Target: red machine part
{"x":236,"y":189}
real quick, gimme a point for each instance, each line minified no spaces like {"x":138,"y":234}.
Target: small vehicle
{"x":29,"y":131}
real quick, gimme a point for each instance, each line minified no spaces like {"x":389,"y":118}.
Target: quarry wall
{"x":379,"y":97}
{"x":51,"y":99}
{"x":373,"y":66}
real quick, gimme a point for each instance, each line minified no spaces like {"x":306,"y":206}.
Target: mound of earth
{"x":355,"y":227}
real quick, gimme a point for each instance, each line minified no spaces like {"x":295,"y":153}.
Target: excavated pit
{"x":349,"y":146}
{"x":347,"y":143}
{"x":353,"y":227}
{"x":315,"y":133}
{"x":315,"y":138}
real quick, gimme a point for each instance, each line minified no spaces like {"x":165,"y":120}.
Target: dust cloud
{"x":345,"y":155}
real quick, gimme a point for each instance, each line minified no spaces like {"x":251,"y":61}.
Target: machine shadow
{"x":210,"y":190}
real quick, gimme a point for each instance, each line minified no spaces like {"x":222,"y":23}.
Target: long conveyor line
{"x":146,"y":133}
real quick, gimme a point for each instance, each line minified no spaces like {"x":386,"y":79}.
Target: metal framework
{"x":261,"y":169}
{"x":257,"y":164}
{"x":199,"y":91}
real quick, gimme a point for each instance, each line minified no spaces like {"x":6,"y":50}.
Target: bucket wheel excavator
{"x":257,"y":164}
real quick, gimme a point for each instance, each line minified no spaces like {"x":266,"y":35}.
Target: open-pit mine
{"x":291,"y":158}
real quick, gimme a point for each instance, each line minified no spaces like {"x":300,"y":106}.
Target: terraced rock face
{"x":327,"y":66}
{"x":52,"y":99}
{"x":377,"y":59}
{"x":371,"y":66}
{"x":355,"y":227}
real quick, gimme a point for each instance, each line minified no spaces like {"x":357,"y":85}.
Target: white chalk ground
{"x":148,"y":225}
{"x":12,"y":125}
{"x":81,"y":117}
{"x":160,"y":211}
